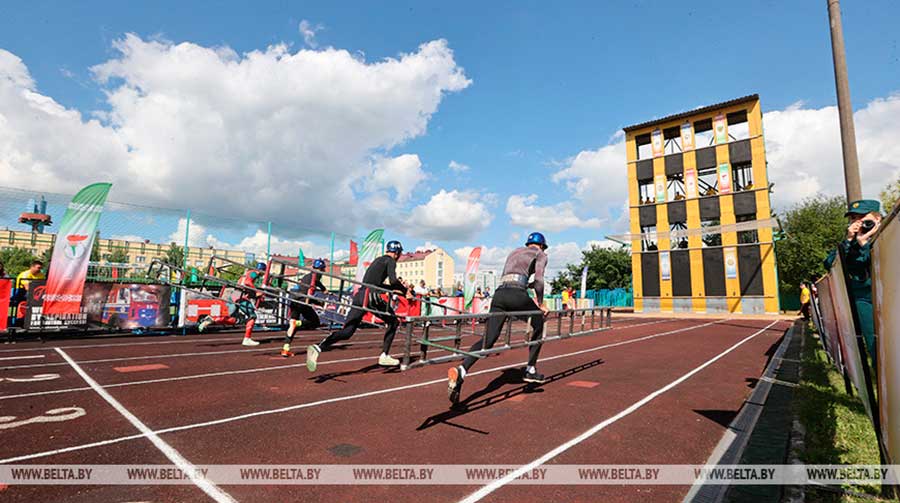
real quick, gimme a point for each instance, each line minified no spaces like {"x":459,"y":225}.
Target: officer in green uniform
{"x":865,"y":217}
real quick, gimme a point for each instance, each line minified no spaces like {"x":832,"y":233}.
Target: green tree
{"x":175,"y":255}
{"x":561,"y":281}
{"x":16,"y":260}
{"x":890,"y":195}
{"x":118,"y":256}
{"x":46,"y":256}
{"x":608,"y":268}
{"x":811,"y":229}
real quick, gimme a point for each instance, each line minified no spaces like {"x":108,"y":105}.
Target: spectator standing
{"x":804,"y":300}
{"x":864,"y":219}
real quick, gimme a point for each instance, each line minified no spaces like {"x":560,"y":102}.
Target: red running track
{"x":211,"y":401}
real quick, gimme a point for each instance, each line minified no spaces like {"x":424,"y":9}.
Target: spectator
{"x":804,"y":300}
{"x":487,"y":293}
{"x":565,"y":299}
{"x":679,"y":196}
{"x":421,"y":289}
{"x":478,"y":294}
{"x":34,"y":272}
{"x":864,"y":219}
{"x":459,"y":291}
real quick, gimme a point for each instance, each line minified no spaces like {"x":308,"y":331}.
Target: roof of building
{"x":414,"y":256}
{"x":696,"y":111}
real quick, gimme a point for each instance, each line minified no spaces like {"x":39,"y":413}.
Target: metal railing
{"x":570,"y":323}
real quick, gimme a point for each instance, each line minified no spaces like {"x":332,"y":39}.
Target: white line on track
{"x":233,"y":372}
{"x":174,"y":456}
{"x":22,"y":357}
{"x":497,"y":484}
{"x":339,"y":399}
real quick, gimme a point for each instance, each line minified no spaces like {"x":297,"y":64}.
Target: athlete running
{"x":302,"y":311}
{"x":511,"y":296}
{"x":383,"y":268}
{"x":245,"y":299}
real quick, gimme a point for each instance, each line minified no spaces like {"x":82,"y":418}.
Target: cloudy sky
{"x":458,"y":124}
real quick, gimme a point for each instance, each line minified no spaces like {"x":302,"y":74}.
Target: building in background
{"x":434,"y":266}
{"x":701,"y":224}
{"x":138,"y":253}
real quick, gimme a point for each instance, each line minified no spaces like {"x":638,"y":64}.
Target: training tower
{"x":701,"y":225}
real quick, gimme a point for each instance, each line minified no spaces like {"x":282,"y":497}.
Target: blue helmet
{"x":394,"y":247}
{"x":536,"y":238}
{"x":261,"y":266}
{"x":319,"y":264}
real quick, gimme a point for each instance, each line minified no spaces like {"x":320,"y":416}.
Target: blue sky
{"x":547,"y":81}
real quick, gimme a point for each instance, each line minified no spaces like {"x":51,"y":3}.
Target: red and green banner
{"x":371,"y":248}
{"x":471,"y":274}
{"x":72,"y":251}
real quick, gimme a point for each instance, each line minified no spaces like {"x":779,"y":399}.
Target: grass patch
{"x":838,"y":430}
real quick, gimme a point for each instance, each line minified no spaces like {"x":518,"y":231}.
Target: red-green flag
{"x":471,"y":274}
{"x":69,"y":264}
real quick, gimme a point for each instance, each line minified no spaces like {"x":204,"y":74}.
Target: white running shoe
{"x":388,"y":361}
{"x":207,"y":321}
{"x":249,"y":342}
{"x":312,"y":357}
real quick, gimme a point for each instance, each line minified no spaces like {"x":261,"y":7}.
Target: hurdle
{"x":570,"y":323}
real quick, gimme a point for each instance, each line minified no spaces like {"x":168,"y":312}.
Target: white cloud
{"x":401,"y":174}
{"x":252,"y":136}
{"x":803,"y":149}
{"x":258,"y":242}
{"x":458,"y":167}
{"x":524,"y":213}
{"x":308,"y":31}
{"x":454,"y":216}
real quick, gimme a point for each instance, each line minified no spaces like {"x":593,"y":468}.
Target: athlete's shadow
{"x":336,"y":376}
{"x":483,"y":398}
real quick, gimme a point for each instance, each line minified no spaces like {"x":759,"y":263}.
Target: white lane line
{"x":230,"y":372}
{"x":497,"y":484}
{"x":174,"y":456}
{"x":181,"y":340}
{"x":340,"y":399}
{"x":22,"y":357}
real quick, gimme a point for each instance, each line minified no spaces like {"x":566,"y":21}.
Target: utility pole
{"x":845,"y":108}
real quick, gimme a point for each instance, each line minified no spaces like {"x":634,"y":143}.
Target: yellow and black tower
{"x":701,"y":226}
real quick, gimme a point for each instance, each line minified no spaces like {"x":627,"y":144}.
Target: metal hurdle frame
{"x":590,"y":323}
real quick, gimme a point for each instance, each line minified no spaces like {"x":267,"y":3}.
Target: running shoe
{"x":287,"y":353}
{"x":534,"y":377}
{"x":388,"y":361}
{"x":204,"y":324}
{"x":249,"y":342}
{"x":312,"y":357}
{"x":454,"y":384}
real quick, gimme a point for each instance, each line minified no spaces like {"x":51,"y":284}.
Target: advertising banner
{"x":724,"y":179}
{"x":69,"y":263}
{"x":127,"y":306}
{"x":471,"y":271}
{"x":886,"y":303}
{"x":731,"y":263}
{"x":584,"y":281}
{"x":656,"y":138}
{"x":847,"y":333}
{"x":687,"y":137}
{"x":5,"y":292}
{"x":720,"y":126}
{"x":665,"y":266}
{"x":690,"y":182}
{"x":660,"y":184}
{"x":34,"y":315}
{"x":370,"y":251}
{"x":829,"y":322}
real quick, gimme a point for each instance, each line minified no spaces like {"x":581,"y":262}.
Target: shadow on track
{"x":508,"y":376}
